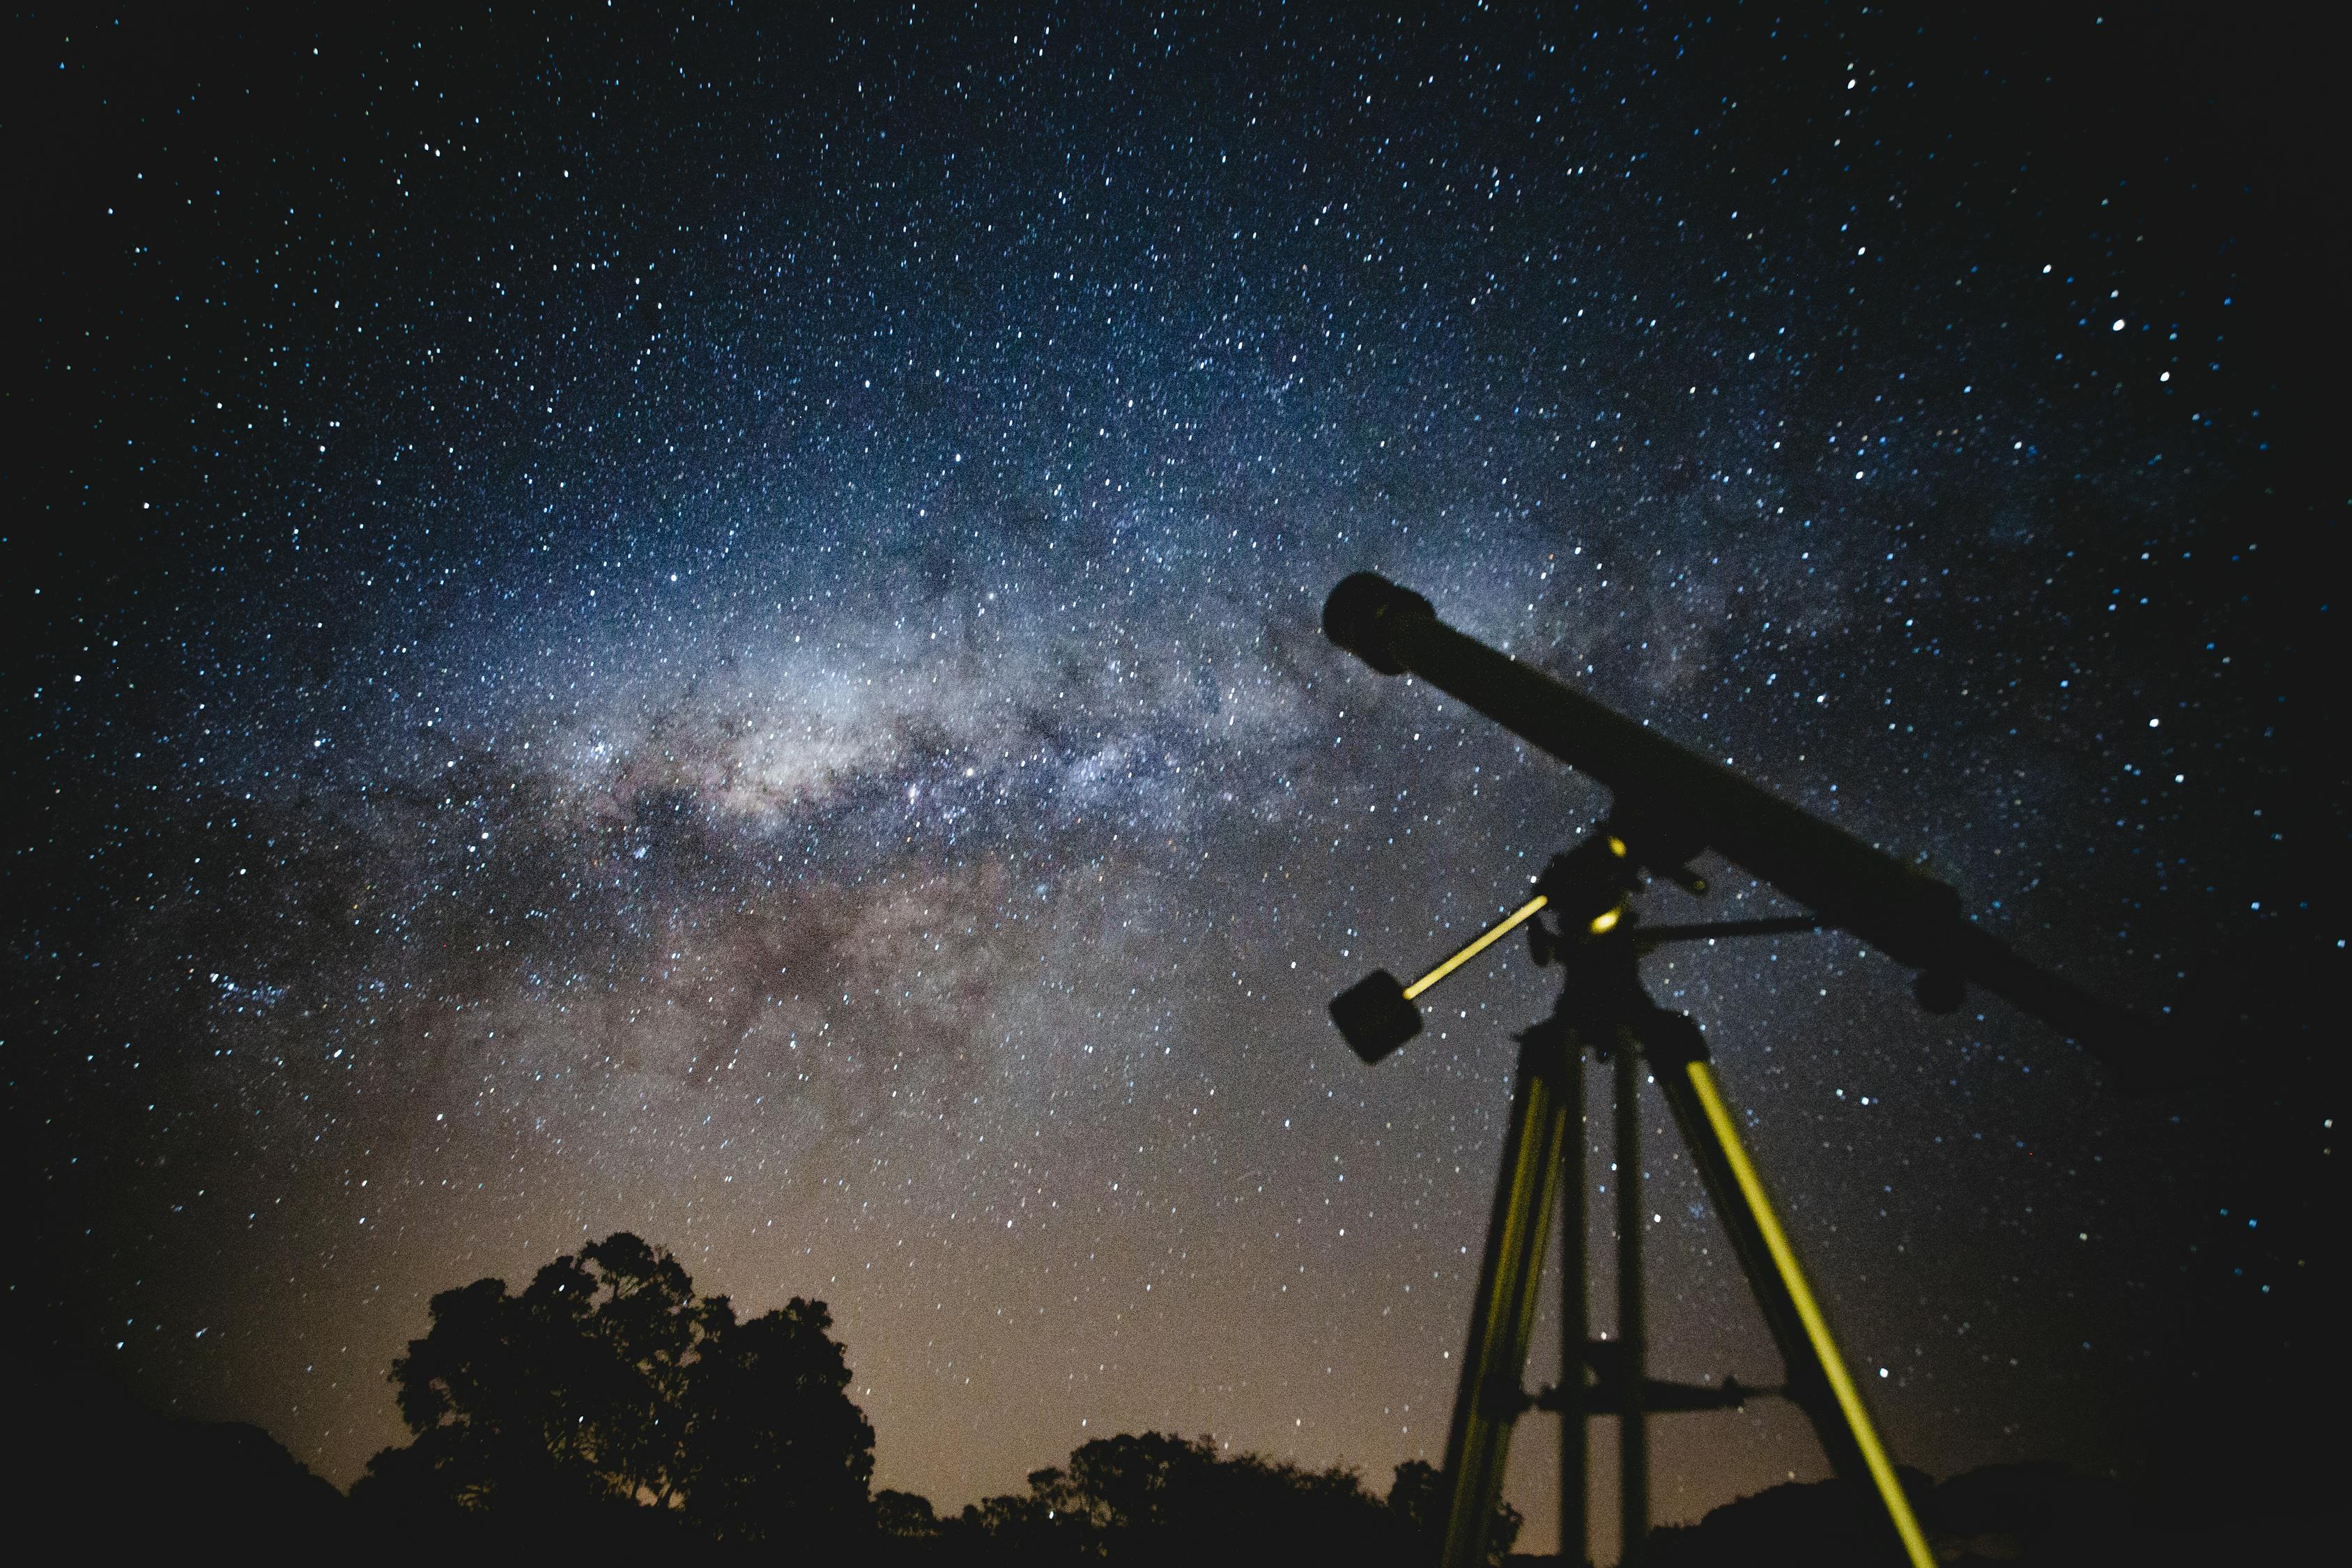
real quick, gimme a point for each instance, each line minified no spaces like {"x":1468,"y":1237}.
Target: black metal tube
{"x":1691,"y":803}
{"x":1575,"y":1328}
{"x":1632,"y":1326}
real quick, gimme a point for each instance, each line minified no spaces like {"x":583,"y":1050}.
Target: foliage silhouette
{"x":905,"y":1515}
{"x":768,"y":1401}
{"x":1151,"y":1498}
{"x":609,"y":1389}
{"x":117,"y":1480}
{"x":2019,"y":1514}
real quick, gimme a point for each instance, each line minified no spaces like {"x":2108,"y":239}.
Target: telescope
{"x":1669,"y":805}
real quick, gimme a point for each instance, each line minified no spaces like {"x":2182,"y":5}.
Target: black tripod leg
{"x":1489,"y":1397}
{"x":1818,"y":1380}
{"x":1632,"y":1328}
{"x":1575,"y":1469}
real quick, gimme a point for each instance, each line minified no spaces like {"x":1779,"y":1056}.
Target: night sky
{"x":713,"y":629}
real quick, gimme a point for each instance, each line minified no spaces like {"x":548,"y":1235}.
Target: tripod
{"x":1603,"y":1008}
{"x":1670,"y":802}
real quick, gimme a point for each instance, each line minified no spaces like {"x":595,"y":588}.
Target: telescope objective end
{"x":1358,"y":613}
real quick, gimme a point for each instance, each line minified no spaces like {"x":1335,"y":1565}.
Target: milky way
{"x":714,"y":631}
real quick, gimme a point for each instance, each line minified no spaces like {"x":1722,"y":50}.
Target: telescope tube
{"x":1686,"y":802}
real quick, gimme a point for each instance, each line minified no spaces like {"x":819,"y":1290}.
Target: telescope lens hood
{"x":1358,"y":613}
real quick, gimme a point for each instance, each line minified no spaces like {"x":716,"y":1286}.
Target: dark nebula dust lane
{"x":709,"y":627}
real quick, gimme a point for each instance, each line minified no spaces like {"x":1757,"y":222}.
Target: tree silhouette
{"x":1417,"y":1497}
{"x":1417,"y":1502}
{"x":774,"y":1445}
{"x":609,"y":1384}
{"x":1153,"y":1499}
{"x":905,"y":1515}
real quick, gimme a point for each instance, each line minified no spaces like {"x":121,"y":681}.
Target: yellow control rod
{"x":1485,"y":940}
{"x":1809,"y":1313}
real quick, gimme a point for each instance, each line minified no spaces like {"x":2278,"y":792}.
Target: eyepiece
{"x":1357,"y":613}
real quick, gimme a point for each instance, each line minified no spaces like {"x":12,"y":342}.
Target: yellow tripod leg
{"x":1824,"y":1352}
{"x":1489,"y":1397}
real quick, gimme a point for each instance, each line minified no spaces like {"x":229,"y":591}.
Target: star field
{"x":712,"y":627}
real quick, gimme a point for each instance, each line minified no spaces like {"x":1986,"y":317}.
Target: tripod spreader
{"x":1658,"y":1396}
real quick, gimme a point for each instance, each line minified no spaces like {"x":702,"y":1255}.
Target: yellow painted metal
{"x":1485,"y":940}
{"x":1809,"y":1312}
{"x":1502,"y":1320}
